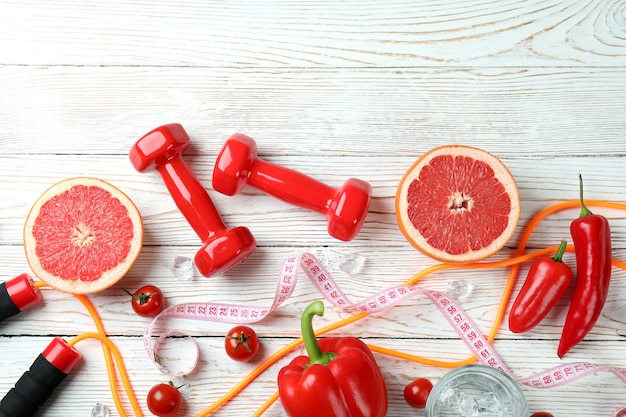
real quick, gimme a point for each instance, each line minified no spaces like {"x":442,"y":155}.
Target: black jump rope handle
{"x":7,"y":306}
{"x":49,"y":369}
{"x":37,"y":384}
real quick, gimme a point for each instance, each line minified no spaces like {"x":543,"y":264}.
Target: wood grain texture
{"x":509,"y":111}
{"x":333,"y":90}
{"x":326,"y":34}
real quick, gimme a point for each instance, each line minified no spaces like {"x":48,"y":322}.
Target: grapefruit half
{"x":82,"y":235}
{"x":457,"y":204}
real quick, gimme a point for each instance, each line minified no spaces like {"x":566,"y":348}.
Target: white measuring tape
{"x":383,"y":300}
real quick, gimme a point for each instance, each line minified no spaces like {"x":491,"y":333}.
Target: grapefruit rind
{"x":417,"y":240}
{"x":108,"y":277}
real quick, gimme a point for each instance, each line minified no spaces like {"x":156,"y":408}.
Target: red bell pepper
{"x":548,"y":279}
{"x":339,"y":378}
{"x":592,"y":242}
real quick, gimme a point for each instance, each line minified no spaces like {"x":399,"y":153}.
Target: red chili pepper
{"x":548,"y":279}
{"x":339,"y":378}
{"x":592,"y":241}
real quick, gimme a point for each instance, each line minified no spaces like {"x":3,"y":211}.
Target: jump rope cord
{"x":112,"y":352}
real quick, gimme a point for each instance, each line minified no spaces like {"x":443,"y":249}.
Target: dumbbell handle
{"x":191,"y":198}
{"x":291,"y":186}
{"x":37,"y":384}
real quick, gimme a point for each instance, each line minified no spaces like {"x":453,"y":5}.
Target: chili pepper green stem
{"x":558,"y":256}
{"x":584,"y":211}
{"x":313,"y":349}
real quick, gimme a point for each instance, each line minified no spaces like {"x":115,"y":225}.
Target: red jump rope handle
{"x":38,"y":383}
{"x":17,"y":295}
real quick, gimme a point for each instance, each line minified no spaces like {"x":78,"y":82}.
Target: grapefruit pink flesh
{"x":78,"y":227}
{"x":457,"y":204}
{"x":82,"y":235}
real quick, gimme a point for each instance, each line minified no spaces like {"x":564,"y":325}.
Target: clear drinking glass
{"x":476,"y":391}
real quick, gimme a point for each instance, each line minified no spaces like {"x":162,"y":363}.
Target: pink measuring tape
{"x":383,"y":300}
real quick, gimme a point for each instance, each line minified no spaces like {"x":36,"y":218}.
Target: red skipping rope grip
{"x":16,"y":295}
{"x":37,"y":384}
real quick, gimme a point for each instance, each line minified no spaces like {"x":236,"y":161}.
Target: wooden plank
{"x":291,"y":33}
{"x":517,"y":111}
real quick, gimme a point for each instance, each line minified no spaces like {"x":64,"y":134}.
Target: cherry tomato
{"x":416,"y":392}
{"x":241,"y":343}
{"x":164,"y":400}
{"x":147,"y":301}
{"x":541,"y":414}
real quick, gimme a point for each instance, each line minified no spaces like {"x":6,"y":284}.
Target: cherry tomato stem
{"x":242,"y":340}
{"x":241,"y":343}
{"x":147,"y":301}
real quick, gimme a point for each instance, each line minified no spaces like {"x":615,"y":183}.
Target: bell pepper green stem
{"x":584,"y":211}
{"x":313,"y":349}
{"x":558,"y":256}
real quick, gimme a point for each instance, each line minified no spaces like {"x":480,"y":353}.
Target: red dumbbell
{"x":222,"y":248}
{"x":345,"y":208}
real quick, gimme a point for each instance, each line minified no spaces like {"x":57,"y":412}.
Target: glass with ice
{"x":476,"y":391}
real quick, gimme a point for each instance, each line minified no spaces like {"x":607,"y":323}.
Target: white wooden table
{"x":334,"y":90}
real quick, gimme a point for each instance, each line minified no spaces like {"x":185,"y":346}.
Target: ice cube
{"x":459,"y":289}
{"x":351,"y":263}
{"x":100,"y":410}
{"x":183,"y":268}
